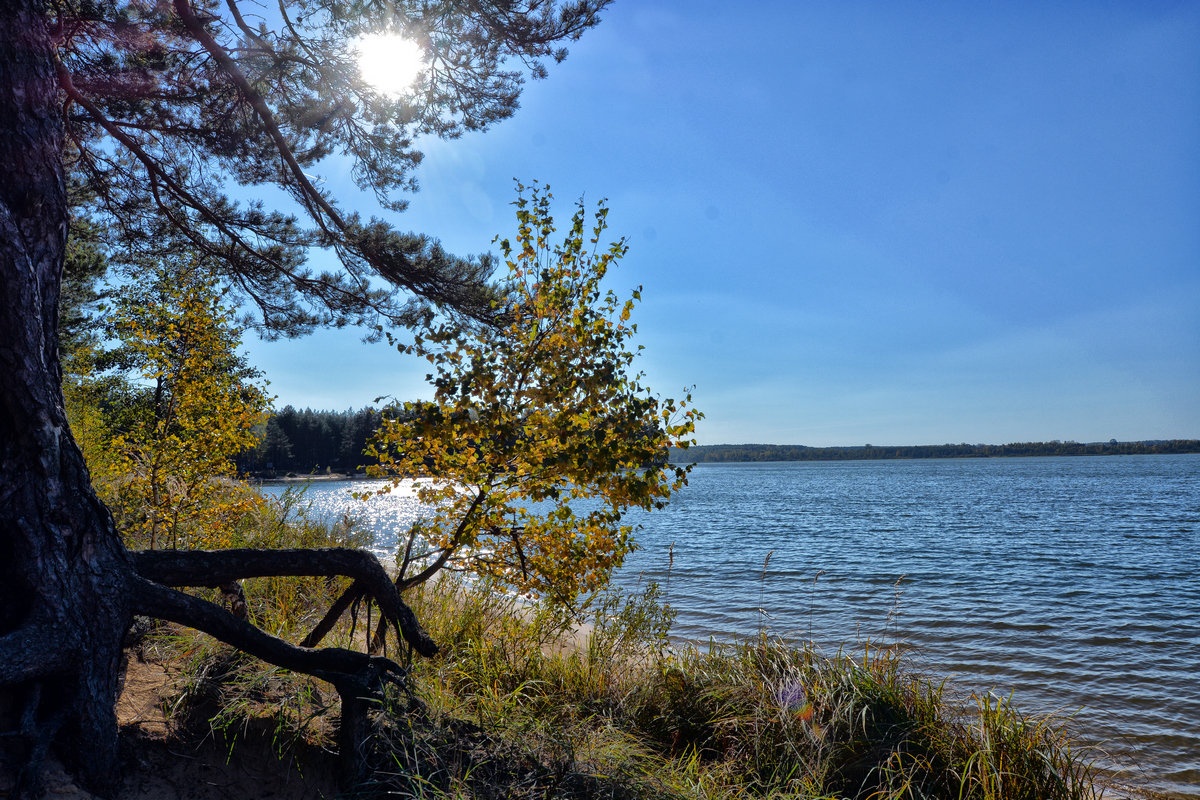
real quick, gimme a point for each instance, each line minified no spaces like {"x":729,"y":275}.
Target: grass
{"x":520,"y":704}
{"x":627,"y":716}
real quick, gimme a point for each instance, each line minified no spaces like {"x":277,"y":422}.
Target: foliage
{"x":85,"y":265}
{"x":86,"y":396}
{"x":306,"y":441}
{"x":84,"y":274}
{"x":540,"y":436}
{"x":191,"y":411}
{"x":169,"y":106}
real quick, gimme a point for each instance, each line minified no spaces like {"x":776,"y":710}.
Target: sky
{"x":894,"y":223}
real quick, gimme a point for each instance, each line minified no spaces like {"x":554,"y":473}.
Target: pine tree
{"x":164,"y":105}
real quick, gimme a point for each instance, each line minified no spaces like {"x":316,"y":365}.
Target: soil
{"x":161,"y":763}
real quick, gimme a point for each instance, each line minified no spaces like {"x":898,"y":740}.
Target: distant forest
{"x":306,"y":442}
{"x":725,"y":453}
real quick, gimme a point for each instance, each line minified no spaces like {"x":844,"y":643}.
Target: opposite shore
{"x":731,"y":453}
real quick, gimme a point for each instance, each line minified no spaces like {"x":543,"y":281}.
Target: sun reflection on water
{"x":387,"y":516}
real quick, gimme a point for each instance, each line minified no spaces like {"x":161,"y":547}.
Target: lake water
{"x":1071,"y":583}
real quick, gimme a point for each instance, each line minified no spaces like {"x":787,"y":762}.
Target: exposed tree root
{"x":217,"y":567}
{"x":348,"y":598}
{"x":345,"y":669}
{"x":37,"y":733}
{"x":53,"y":679}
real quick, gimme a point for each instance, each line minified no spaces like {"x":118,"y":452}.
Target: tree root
{"x":37,"y":732}
{"x":217,"y":567}
{"x":358,"y":677}
{"x":339,"y":666}
{"x":24,"y":655}
{"x":33,"y":656}
{"x":348,"y":598}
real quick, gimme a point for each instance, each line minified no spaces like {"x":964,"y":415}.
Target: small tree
{"x":540,"y":435}
{"x":191,"y":412}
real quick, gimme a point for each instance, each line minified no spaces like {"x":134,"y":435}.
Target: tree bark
{"x":63,"y":611}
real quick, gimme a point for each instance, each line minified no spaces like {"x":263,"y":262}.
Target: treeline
{"x":308,"y":442}
{"x":728,"y":453}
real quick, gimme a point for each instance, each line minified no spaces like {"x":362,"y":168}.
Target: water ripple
{"x":1071,"y":583}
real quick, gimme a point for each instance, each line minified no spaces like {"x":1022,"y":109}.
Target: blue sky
{"x":895,"y":223}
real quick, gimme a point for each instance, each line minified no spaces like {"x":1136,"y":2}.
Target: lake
{"x":1071,"y":583}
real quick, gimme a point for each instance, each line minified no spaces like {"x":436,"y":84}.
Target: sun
{"x":390,"y":63}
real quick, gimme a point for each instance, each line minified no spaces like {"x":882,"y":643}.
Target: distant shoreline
{"x":751,"y":453}
{"x":732,"y":453}
{"x":319,"y":477}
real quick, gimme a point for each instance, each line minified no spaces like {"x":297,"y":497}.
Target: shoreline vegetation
{"x":531,"y":700}
{"x":523,"y":702}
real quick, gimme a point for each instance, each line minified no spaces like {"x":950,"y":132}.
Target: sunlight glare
{"x":389,"y":63}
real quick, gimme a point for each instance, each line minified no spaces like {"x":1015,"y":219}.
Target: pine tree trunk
{"x":68,"y":587}
{"x":63,"y":570}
